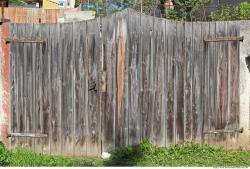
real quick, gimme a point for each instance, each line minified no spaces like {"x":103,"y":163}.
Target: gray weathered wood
{"x":163,"y":83}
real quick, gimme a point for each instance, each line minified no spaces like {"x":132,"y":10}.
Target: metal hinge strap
{"x":224,"y":131}
{"x":229,"y":38}
{"x":24,"y":40}
{"x":33,"y":135}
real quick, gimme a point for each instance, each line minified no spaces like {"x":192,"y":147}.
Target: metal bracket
{"x":24,"y":40}
{"x":224,"y":131}
{"x":226,"y":38}
{"x":33,"y":135}
{"x":2,"y":20}
{"x":92,"y":86}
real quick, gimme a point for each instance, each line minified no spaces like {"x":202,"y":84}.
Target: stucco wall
{"x":47,"y":4}
{"x":1,"y":96}
{"x":4,"y":82}
{"x":75,"y":16}
{"x":244,"y":82}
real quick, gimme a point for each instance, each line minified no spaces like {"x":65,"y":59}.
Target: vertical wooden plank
{"x":35,"y":62}
{"x":81,"y":90}
{"x":121,"y":39}
{"x":67,"y":94}
{"x":212,"y":55}
{"x":108,"y":120}
{"x":222,"y":80}
{"x":140,"y":75}
{"x":86,"y":85}
{"x":228,"y":91}
{"x":188,"y":69}
{"x":146,"y":27}
{"x":151,"y":79}
{"x":228,"y":139}
{"x":56,"y":92}
{"x":45,"y":119}
{"x":205,"y":82}
{"x":165,"y":81}
{"x":125,"y":109}
{"x":22,"y":76}
{"x":26,"y":87}
{"x":197,"y":69}
{"x":73,"y":68}
{"x":33,"y":97}
{"x":225,"y":87}
{"x":40,"y":50}
{"x":201,"y":68}
{"x":93,"y":56}
{"x":233,"y":81}
{"x":170,"y":93}
{"x":179,"y":85}
{"x":18,"y":88}
{"x":158,"y":113}
{"x":134,"y":76}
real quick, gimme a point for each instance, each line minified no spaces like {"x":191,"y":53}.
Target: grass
{"x":144,"y":154}
{"x":24,"y":157}
{"x":189,"y":154}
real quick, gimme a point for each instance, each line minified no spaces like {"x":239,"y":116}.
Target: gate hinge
{"x":33,"y":135}
{"x":226,"y":38}
{"x":240,"y":130}
{"x":25,"y":40}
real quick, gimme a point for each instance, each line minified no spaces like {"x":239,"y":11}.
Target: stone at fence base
{"x":105,"y":155}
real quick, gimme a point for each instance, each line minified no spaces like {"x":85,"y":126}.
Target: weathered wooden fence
{"x":32,"y":15}
{"x":142,"y":77}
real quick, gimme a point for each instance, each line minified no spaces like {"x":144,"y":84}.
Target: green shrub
{"x":4,"y":155}
{"x":244,"y":10}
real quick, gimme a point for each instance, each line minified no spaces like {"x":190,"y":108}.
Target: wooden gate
{"x":54,"y":69}
{"x":86,"y":87}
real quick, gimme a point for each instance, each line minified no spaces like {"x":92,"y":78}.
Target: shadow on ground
{"x":129,"y":156}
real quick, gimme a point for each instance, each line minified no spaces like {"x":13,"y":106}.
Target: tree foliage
{"x":230,"y":12}
{"x":184,"y":9}
{"x":188,"y":9}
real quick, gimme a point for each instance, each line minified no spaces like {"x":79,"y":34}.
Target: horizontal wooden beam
{"x":33,"y":135}
{"x":229,"y":38}
{"x":224,"y":131}
{"x":24,"y":40}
